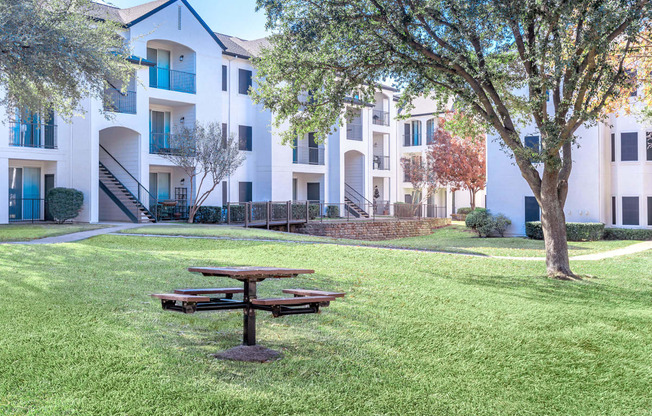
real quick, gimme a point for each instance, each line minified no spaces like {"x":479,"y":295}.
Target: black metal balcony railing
{"x":380,"y":118}
{"x":27,"y":209}
{"x":36,"y":135}
{"x":354,"y":131}
{"x":411,"y":140}
{"x":381,"y":162}
{"x":117,"y":101}
{"x":169,"y":79}
{"x":308,"y":156}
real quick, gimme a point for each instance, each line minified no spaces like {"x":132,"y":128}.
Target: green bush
{"x":299,"y":211}
{"x":575,"y":231}
{"x":237,"y":213}
{"x":464,"y":211}
{"x":627,"y":234}
{"x":474,"y":217}
{"x":501,"y":223}
{"x":333,"y":211}
{"x":208,"y":215}
{"x":64,"y":203}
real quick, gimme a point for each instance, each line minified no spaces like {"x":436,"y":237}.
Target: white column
{"x":4,"y":191}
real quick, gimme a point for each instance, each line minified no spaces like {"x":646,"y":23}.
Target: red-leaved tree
{"x":459,"y":163}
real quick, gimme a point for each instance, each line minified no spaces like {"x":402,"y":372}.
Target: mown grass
{"x":417,"y":334}
{"x":26,"y":232}
{"x":455,"y":238}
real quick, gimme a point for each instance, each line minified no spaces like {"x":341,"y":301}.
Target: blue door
{"x":31,"y":193}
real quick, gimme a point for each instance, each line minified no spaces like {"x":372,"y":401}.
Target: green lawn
{"x":455,"y":238}
{"x":418,"y":334}
{"x":26,"y":232}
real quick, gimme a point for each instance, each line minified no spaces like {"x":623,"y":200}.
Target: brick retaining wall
{"x":378,"y":230}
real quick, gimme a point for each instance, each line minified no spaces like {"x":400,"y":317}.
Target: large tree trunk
{"x":553,"y":223}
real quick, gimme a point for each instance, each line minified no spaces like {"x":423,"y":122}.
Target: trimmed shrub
{"x":480,"y":221}
{"x":464,"y":211}
{"x":473,"y":218}
{"x":299,"y":211}
{"x":64,"y":203}
{"x":501,"y":223}
{"x":333,"y":211}
{"x":627,"y":234}
{"x":237,"y":213}
{"x":575,"y":231}
{"x":208,"y":215}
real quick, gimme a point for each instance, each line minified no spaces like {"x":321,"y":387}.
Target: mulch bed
{"x":250,"y":353}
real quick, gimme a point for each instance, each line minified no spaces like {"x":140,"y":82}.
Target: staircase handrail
{"x":350,"y":189}
{"x":140,"y":185}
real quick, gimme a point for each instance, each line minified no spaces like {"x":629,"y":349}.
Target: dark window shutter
{"x":532,"y":212}
{"x":245,"y":191}
{"x":225,"y":78}
{"x":630,"y":210}
{"x":406,"y":132}
{"x":613,"y":210}
{"x":628,"y":147}
{"x":225,"y":135}
{"x":613,"y":147}
{"x":244,"y":81}
{"x":648,"y":145}
{"x":532,"y":142}
{"x":245,"y":138}
{"x":649,"y":210}
{"x":225,"y":197}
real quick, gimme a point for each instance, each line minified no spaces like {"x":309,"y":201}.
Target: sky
{"x":235,"y":18}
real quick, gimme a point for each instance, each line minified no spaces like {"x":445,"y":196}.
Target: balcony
{"x":381,"y":162}
{"x":34,"y":135}
{"x":169,"y":79}
{"x":410,"y":140}
{"x":117,"y":101}
{"x":354,"y":132}
{"x":308,"y":155}
{"x":159,"y":144}
{"x":380,"y":118}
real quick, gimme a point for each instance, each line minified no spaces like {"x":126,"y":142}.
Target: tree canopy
{"x":554,"y":64}
{"x":53,"y":54}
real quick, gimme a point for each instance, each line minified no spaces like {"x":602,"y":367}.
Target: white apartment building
{"x":611,"y":179}
{"x":415,"y":134}
{"x":183,"y":73}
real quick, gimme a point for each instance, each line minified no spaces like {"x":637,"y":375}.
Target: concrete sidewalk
{"x":82,"y":235}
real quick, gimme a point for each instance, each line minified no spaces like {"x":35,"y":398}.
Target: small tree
{"x":53,"y":53}
{"x":206,"y":157}
{"x":459,"y":163}
{"x":418,"y":171}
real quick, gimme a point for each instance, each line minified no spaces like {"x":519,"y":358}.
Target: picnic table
{"x":195,"y":300}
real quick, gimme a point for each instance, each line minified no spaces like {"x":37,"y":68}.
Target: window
{"x":613,"y":147}
{"x":532,"y":143}
{"x":29,"y":129}
{"x":159,"y":75}
{"x":245,"y":191}
{"x":406,"y":134}
{"x":225,"y":135}
{"x":245,"y":138}
{"x":430,"y":131}
{"x":649,"y":210}
{"x":244,"y":81}
{"x":630,"y":210}
{"x":225,"y":194}
{"x":648,"y":145}
{"x":416,"y":133}
{"x":628,"y":147}
{"x":613,"y":210}
{"x":224,"y":77}
{"x":532,"y":212}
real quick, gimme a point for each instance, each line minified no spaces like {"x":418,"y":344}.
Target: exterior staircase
{"x":123,"y":198}
{"x":355,"y":209}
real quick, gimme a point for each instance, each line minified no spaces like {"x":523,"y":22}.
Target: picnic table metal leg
{"x":249,"y":329}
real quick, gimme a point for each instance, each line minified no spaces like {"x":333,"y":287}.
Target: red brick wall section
{"x":374,"y":231}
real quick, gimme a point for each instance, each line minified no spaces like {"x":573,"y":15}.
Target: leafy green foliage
{"x":501,"y":223}
{"x":627,"y":234}
{"x":464,"y":210}
{"x":576,"y":231}
{"x":208,"y":215}
{"x":333,"y":211}
{"x":54,"y":53}
{"x":64,"y":203}
{"x":485,"y":223}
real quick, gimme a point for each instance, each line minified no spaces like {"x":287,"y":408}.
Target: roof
{"x":132,"y":15}
{"x":242,"y":48}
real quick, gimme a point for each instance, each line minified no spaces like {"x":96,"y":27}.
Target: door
{"x":31,"y":193}
{"x":160,"y":131}
{"x":163,"y":63}
{"x":313,"y":192}
{"x":48,"y":184}
{"x":15,"y":193}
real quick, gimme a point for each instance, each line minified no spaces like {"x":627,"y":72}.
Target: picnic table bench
{"x":196,"y":300}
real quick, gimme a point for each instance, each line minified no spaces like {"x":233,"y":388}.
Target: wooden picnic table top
{"x":249,"y":272}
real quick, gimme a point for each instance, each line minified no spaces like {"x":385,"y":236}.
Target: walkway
{"x":82,"y":235}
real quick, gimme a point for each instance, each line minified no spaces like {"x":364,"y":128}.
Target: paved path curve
{"x":82,"y":235}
